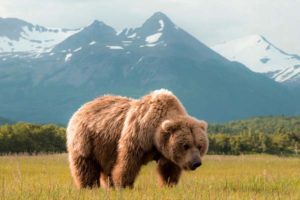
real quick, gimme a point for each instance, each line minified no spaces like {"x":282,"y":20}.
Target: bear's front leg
{"x":168,"y":172}
{"x":127,"y":167}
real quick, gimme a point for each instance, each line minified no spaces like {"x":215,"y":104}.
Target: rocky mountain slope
{"x":97,"y":60}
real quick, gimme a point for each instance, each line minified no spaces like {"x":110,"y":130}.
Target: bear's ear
{"x":170,"y":126}
{"x":203,"y":125}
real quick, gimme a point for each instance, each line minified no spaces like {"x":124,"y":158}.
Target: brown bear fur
{"x":111,"y":137}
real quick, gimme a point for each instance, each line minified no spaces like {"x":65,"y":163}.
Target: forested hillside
{"x":275,"y":135}
{"x":268,"y":125}
{"x":31,"y":138}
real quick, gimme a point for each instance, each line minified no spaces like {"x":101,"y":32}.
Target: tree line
{"x":272,"y":135}
{"x":266,"y":125}
{"x":32,"y":138}
{"x":279,"y":143}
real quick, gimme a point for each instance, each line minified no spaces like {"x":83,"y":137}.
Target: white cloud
{"x":210,"y":21}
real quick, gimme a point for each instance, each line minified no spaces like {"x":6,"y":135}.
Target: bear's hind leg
{"x":85,"y":171}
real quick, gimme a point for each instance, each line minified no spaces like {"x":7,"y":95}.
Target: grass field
{"x":220,"y":177}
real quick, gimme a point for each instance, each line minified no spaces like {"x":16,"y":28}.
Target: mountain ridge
{"x":17,"y":35}
{"x":262,"y":56}
{"x":132,"y":63}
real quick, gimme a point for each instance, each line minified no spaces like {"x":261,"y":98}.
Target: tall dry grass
{"x":220,"y":177}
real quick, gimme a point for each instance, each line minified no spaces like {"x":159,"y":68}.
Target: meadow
{"x":220,"y":177}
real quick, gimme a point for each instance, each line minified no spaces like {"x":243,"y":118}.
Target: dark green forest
{"x":32,"y":138}
{"x":267,"y":125}
{"x":273,"y":135}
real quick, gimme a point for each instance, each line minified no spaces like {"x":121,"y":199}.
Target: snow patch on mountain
{"x":287,"y":74}
{"x":114,"y":47}
{"x":153,"y":38}
{"x":132,"y":35}
{"x":68,"y":57}
{"x":78,"y":49}
{"x":92,"y":43}
{"x":162,"y":25}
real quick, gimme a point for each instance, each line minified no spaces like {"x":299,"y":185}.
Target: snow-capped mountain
{"x":19,"y":36}
{"x":158,"y":31}
{"x":261,"y":56}
{"x":97,"y":60}
{"x":152,"y":33}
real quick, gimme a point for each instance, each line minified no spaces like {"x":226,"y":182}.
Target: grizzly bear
{"x":111,"y":137}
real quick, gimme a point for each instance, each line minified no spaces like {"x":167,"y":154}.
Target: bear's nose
{"x":195,"y":165}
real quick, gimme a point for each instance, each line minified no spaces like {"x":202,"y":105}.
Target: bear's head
{"x":183,"y":141}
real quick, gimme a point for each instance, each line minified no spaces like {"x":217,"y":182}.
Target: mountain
{"x":97,"y":32}
{"x":97,"y":60}
{"x":19,"y":36}
{"x":261,"y":56}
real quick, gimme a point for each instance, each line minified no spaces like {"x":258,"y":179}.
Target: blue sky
{"x":211,"y":21}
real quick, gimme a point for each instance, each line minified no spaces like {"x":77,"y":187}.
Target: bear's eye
{"x":186,"y":146}
{"x":199,"y":147}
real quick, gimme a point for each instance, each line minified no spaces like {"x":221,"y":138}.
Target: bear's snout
{"x":195,"y":165}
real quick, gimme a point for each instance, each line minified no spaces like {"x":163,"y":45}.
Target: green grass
{"x":220,"y":177}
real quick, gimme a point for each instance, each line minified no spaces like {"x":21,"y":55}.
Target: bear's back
{"x":104,"y":112}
